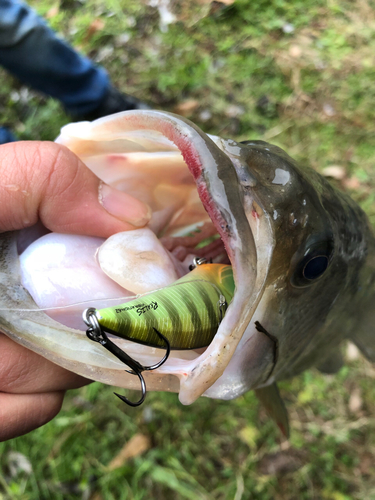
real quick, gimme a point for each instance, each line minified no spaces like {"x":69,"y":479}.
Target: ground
{"x":298,"y":74}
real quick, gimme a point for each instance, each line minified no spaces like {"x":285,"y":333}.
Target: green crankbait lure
{"x":187,"y":313}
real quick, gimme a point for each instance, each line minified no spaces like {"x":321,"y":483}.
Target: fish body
{"x":301,"y":251}
{"x":188,"y":313}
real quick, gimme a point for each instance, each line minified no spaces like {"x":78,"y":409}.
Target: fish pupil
{"x":315,"y":267}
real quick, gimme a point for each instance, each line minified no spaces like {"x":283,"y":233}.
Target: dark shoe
{"x":114,"y":102}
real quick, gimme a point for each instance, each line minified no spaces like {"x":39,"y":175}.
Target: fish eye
{"x":313,"y":264}
{"x":315,"y":267}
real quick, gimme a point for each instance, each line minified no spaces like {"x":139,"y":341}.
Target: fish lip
{"x":251,"y":286}
{"x":210,"y":166}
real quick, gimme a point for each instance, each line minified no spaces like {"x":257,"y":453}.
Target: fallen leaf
{"x":53,"y":11}
{"x":352,"y":352}
{"x":352,"y":183}
{"x":295,"y":51}
{"x":186,"y":108}
{"x":335,"y":172}
{"x":355,"y":400}
{"x":137,"y":445}
{"x":95,"y":26}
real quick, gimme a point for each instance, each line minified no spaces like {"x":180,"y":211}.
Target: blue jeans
{"x":39,"y":58}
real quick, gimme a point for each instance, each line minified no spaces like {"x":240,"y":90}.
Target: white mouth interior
{"x":118,"y":148}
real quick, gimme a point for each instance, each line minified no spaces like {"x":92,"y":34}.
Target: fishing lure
{"x":185,"y":315}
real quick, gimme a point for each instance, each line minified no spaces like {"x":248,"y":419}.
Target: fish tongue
{"x":60,"y":270}
{"x":137,"y":261}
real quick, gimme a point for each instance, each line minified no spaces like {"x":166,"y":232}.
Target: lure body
{"x":187,"y":313}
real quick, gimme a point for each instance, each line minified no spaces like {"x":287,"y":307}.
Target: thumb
{"x":46,"y":181}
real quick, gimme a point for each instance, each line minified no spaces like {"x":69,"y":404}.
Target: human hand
{"x":45,"y":181}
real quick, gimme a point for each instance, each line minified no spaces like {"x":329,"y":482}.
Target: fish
{"x":302,"y":254}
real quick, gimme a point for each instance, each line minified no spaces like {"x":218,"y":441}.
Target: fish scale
{"x":187,"y":313}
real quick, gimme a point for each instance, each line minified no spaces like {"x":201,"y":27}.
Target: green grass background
{"x":299,"y":74}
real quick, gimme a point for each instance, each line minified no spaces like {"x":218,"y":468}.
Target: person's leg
{"x":6,"y":135}
{"x":34,"y":54}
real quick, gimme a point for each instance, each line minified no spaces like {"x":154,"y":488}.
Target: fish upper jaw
{"x":254,"y":356}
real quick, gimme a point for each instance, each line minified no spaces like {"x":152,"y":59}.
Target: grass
{"x":298,"y":74}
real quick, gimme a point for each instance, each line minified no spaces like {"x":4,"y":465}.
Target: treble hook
{"x":97,"y":334}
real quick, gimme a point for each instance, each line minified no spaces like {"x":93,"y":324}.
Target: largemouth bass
{"x":302,"y":253}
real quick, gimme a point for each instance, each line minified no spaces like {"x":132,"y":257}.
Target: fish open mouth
{"x":197,"y":211}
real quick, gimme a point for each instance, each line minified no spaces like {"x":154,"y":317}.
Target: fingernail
{"x":123,"y":206}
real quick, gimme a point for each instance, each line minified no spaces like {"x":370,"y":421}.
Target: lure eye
{"x":314,"y":263}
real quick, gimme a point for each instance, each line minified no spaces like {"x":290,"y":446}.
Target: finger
{"x":47,"y":181}
{"x":24,"y":371}
{"x":22,"y":413}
